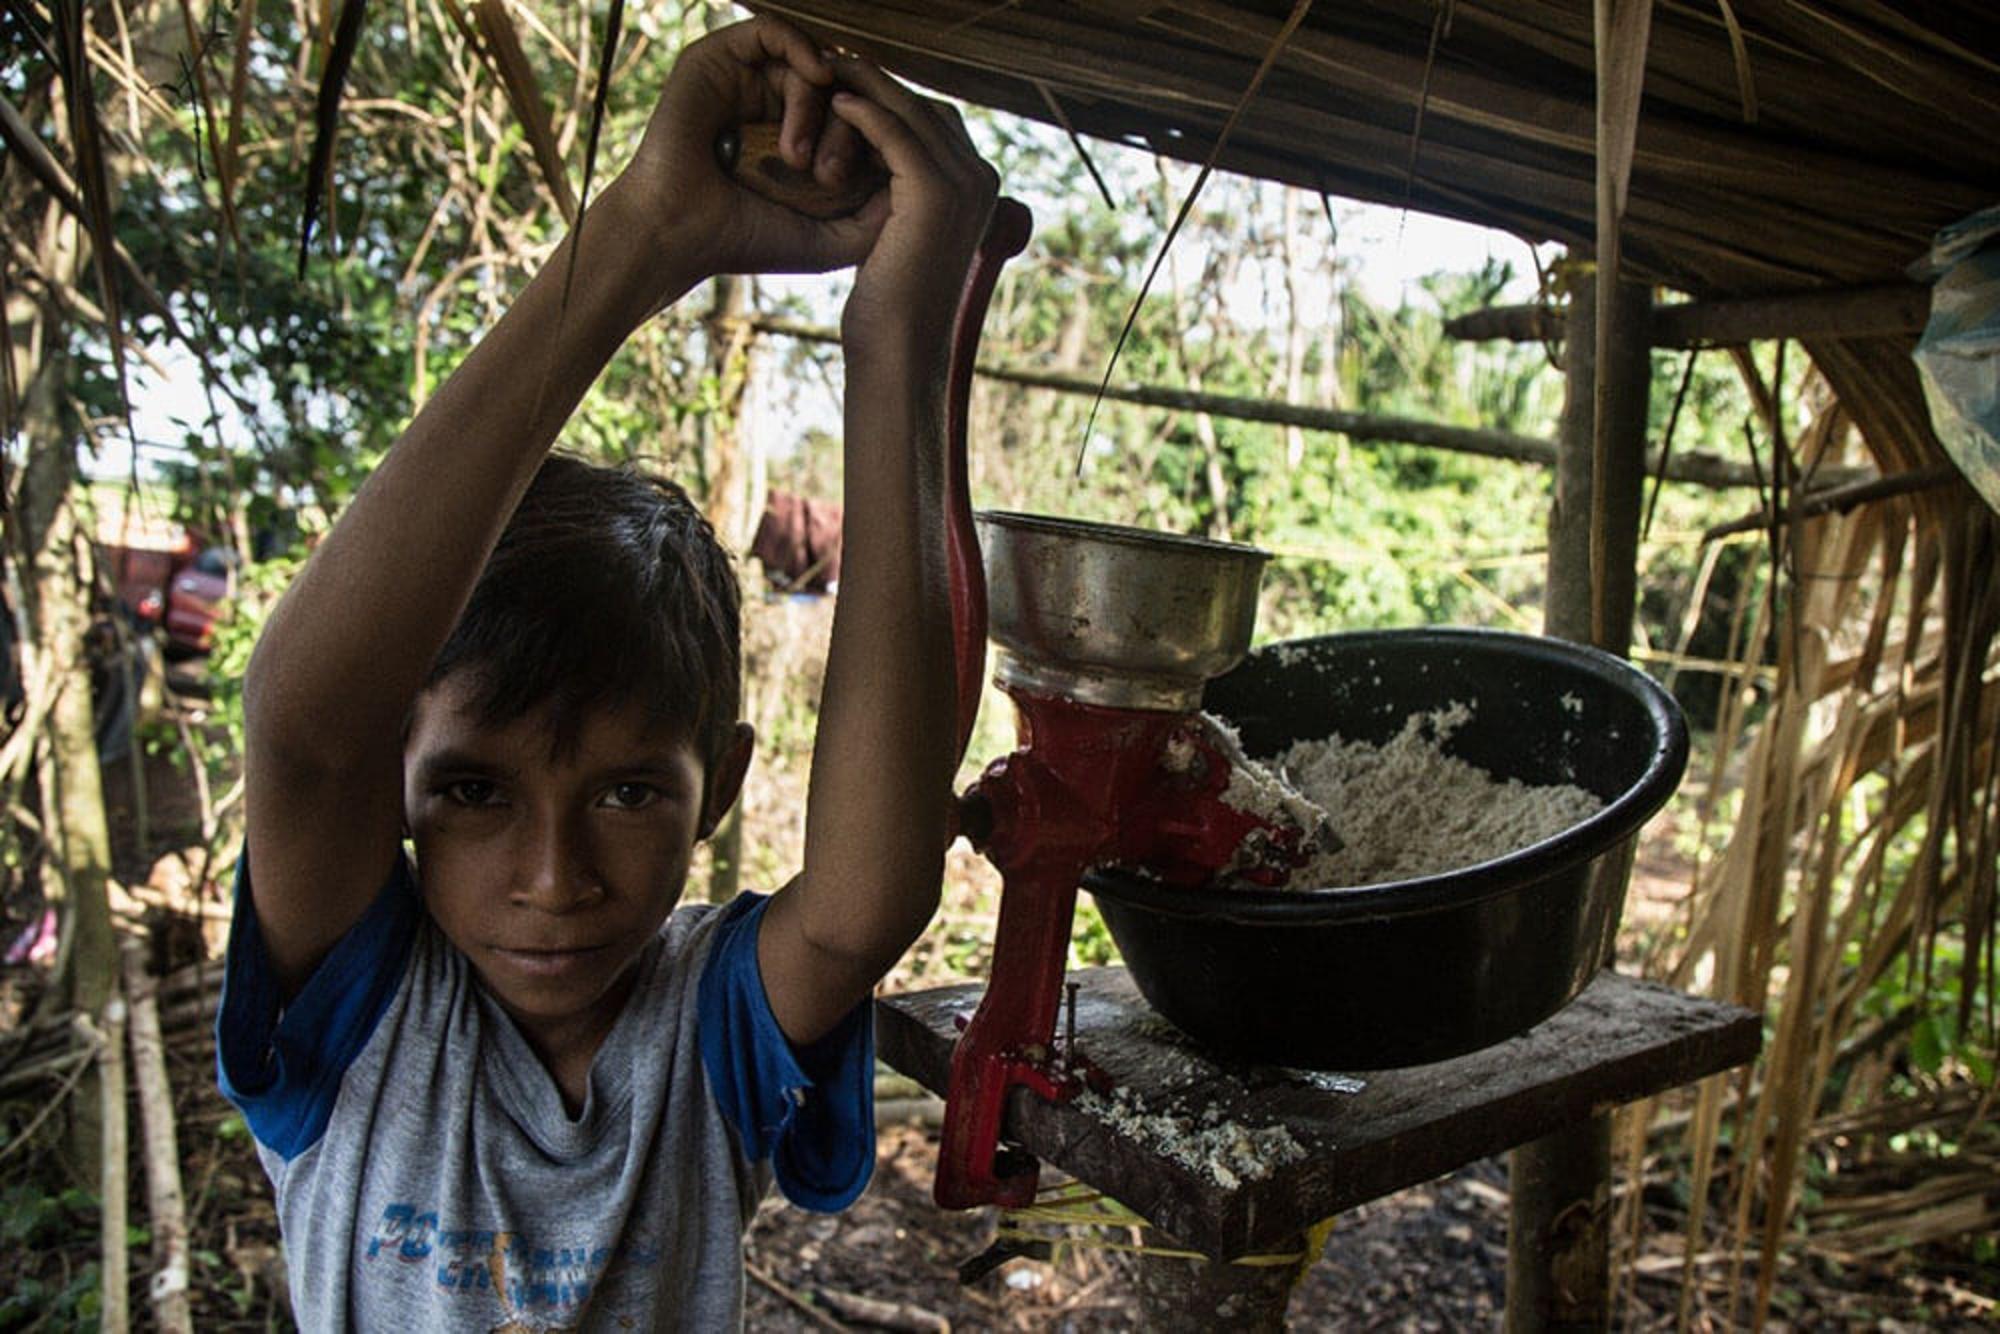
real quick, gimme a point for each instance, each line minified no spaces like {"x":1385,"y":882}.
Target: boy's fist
{"x":929,"y":221}
{"x":761,"y":70}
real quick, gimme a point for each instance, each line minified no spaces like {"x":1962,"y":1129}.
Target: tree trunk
{"x":51,"y":556}
{"x":1295,"y":328}
{"x":50,"y":547}
{"x":728,"y":363}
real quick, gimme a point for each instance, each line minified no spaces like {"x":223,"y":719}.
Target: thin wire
{"x":1297,"y":17}
{"x":1667,"y":443}
{"x":1076,"y":141}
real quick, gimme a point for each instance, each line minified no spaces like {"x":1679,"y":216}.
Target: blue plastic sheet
{"x":1959,"y":353}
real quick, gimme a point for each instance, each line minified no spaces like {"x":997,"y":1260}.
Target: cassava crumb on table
{"x":1226,"y":1152}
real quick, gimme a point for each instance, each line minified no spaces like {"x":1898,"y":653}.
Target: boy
{"x":510,"y":1086}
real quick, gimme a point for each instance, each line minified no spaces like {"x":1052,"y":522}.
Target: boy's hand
{"x":762,"y":70}
{"x":926,"y":225}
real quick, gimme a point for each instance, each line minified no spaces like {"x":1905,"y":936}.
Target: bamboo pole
{"x":1691,"y":467}
{"x":166,"y":1212}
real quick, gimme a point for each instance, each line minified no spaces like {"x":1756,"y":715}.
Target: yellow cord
{"x":1073,"y":1205}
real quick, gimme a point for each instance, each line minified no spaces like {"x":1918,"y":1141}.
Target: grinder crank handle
{"x":1007,"y":233}
{"x":748,"y":154}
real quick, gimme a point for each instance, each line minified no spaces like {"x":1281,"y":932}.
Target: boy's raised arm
{"x":347,"y":649}
{"x":884,"y":751}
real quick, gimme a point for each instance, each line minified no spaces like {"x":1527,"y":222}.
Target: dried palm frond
{"x":500,"y":45}
{"x":87,"y":143}
{"x":1076,"y":142}
{"x":1879,"y":737}
{"x":1739,"y":51}
{"x":326,"y":119}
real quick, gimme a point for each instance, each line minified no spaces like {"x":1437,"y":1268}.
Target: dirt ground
{"x":1429,"y":1258}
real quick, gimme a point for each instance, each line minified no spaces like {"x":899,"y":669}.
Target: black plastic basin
{"x":1418,"y":970}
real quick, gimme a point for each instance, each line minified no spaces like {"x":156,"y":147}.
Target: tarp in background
{"x":1958,"y":356}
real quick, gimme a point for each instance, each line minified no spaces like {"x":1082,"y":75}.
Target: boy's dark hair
{"x":607,"y":587}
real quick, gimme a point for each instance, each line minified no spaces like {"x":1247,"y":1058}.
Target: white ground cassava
{"x":1405,"y":808}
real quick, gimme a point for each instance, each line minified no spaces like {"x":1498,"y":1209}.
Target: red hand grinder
{"x":1107,"y":635}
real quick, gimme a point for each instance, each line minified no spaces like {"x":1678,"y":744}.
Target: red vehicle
{"x":198,"y":597}
{"x":181,"y":591}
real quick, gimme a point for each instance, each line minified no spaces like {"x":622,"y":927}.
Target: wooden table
{"x":1364,"y":1136}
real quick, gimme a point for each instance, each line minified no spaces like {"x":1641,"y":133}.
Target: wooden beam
{"x":1840,"y":498}
{"x":1887,"y":310}
{"x":1852,"y":312}
{"x":1507,"y":324}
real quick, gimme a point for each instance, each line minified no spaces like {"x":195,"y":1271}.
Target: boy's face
{"x":549,"y":870}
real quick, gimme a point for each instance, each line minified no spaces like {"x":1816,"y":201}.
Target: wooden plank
{"x":1621,"y":1040}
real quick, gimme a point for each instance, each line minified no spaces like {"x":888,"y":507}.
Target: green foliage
{"x":36,"y":1221}
{"x":1090,"y":942}
{"x":30,"y":1215}
{"x":257,"y":592}
{"x":39,"y":1303}
{"x":1938,"y":1048}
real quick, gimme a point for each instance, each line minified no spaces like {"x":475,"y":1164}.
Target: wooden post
{"x":1180,"y":1295}
{"x":1558,"y":1236}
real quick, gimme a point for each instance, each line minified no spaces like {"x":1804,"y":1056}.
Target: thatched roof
{"x":1782,"y":143}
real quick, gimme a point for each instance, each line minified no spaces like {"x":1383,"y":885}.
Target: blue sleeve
{"x":282,"y":1064}
{"x":810,"y":1110}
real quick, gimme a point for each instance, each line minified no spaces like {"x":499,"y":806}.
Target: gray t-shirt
{"x":428,"y":1176}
